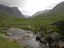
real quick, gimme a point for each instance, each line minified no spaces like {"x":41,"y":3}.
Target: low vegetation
{"x":4,"y":43}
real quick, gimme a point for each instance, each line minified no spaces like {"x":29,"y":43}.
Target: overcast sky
{"x":29,"y":7}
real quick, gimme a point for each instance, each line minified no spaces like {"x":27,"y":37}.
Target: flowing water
{"x":26,"y":38}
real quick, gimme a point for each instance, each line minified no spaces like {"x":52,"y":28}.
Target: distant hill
{"x":40,"y":12}
{"x":26,"y":16}
{"x":12,"y":11}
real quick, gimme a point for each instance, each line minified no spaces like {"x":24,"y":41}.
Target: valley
{"x":49,"y":26}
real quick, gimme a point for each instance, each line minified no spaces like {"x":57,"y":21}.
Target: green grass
{"x":44,"y":19}
{"x":4,"y":43}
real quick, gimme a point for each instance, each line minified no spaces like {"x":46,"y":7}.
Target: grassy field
{"x":44,"y":19}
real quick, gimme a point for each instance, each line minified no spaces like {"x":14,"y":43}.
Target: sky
{"x":29,"y":7}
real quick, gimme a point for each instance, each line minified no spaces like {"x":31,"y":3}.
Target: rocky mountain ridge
{"x":12,"y":11}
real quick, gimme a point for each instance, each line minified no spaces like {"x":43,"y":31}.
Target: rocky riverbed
{"x":23,"y":37}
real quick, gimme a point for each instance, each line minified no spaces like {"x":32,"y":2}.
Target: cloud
{"x":16,"y":3}
{"x":29,"y":14}
{"x":29,"y":7}
{"x":5,"y":3}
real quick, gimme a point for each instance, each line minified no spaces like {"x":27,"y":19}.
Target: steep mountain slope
{"x":40,"y":12}
{"x":57,"y":13}
{"x":59,"y":7}
{"x":12,"y":11}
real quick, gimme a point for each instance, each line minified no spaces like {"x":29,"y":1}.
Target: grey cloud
{"x":25,"y":11}
{"x":52,"y":5}
{"x":5,"y":3}
{"x":18,"y":3}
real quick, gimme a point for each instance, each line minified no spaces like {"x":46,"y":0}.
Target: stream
{"x":25,"y":38}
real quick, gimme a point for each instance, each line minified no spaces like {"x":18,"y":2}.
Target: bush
{"x":47,"y":37}
{"x":2,"y":31}
{"x":40,"y":28}
{"x":59,"y":29}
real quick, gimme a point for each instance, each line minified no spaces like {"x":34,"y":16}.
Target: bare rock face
{"x":61,"y":43}
{"x":12,"y":11}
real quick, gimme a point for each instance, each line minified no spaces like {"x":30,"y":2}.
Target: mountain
{"x":40,"y":12}
{"x":59,"y":7}
{"x":58,"y":10}
{"x":12,"y":11}
{"x":56,"y":14}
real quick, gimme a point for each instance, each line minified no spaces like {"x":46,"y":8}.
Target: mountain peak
{"x":13,"y":11}
{"x":41,"y":12}
{"x":59,"y":6}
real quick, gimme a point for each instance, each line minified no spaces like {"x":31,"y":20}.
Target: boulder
{"x":55,"y":44}
{"x":38,"y":35}
{"x":55,"y":36}
{"x":61,"y":43}
{"x":58,"y":44}
{"x":43,"y":39}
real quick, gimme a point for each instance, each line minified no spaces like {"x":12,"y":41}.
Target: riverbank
{"x":5,"y":43}
{"x":28,"y":39}
{"x":23,"y":37}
